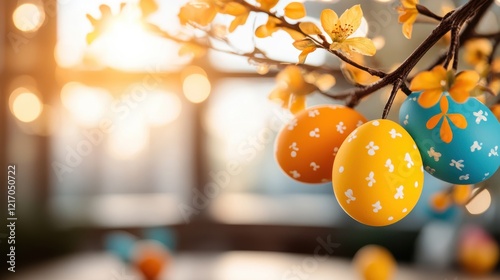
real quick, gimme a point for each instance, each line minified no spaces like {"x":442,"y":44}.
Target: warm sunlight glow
{"x":162,"y":108}
{"x":480,"y":203}
{"x":28,"y":17}
{"x":87,"y":105}
{"x":128,"y":138}
{"x":127,"y":45}
{"x":26,"y":106}
{"x":124,"y":44}
{"x":196,"y":88}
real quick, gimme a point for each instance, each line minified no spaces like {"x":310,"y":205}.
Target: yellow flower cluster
{"x":293,"y":85}
{"x":339,"y":30}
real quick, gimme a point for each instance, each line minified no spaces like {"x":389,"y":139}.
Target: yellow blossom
{"x":340,"y":30}
{"x":200,"y":12}
{"x":295,"y":10}
{"x":407,"y":15}
{"x":307,"y":46}
{"x":267,"y":29}
{"x":267,"y":5}
{"x":100,"y":25}
{"x":476,"y":53}
{"x":356,"y":75}
{"x":291,"y":89}
{"x":148,"y":7}
{"x":437,"y":81}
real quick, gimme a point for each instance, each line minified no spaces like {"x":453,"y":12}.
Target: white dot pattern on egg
{"x":306,"y":147}
{"x":462,"y":146}
{"x":378,"y":175}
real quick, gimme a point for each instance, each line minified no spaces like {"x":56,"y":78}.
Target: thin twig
{"x":423,"y":10}
{"x":477,"y":191}
{"x":392,"y":96}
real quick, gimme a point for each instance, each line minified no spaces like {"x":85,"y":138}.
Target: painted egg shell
{"x":471,"y":156}
{"x":306,"y":147}
{"x":378,"y":173}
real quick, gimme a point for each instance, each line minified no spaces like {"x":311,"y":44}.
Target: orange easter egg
{"x":375,"y":263}
{"x":306,"y":147}
{"x":151,"y":258}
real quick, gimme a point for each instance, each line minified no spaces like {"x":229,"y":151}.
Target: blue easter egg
{"x":166,"y":236}
{"x":121,"y":244}
{"x":459,"y":142}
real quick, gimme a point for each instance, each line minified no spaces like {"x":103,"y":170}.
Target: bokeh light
{"x":128,"y":138}
{"x":379,"y":42}
{"x":28,"y":17}
{"x":162,"y":108}
{"x":25,"y":105}
{"x":196,"y":87}
{"x":480,"y":203}
{"x":87,"y":105}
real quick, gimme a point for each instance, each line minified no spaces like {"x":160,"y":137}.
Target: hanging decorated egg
{"x":477,"y":252}
{"x":378,"y":174}
{"x":459,"y":142}
{"x":306,"y":147}
{"x":374,"y":262}
{"x":151,"y":258}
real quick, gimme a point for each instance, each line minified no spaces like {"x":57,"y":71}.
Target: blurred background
{"x":124,"y":141}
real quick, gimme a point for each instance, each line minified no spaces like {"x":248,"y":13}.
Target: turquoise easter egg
{"x":121,"y":244}
{"x":459,"y":142}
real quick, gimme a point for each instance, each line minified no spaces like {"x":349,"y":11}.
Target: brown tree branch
{"x":456,"y":18}
{"x":468,"y":32}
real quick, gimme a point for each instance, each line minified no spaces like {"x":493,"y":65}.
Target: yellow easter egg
{"x":375,"y":263}
{"x":306,"y":147}
{"x":378,"y":173}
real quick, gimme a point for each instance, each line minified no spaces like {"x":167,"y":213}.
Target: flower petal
{"x":295,"y":10}
{"x":234,"y":9}
{"x":305,"y":52}
{"x":328,"y":20}
{"x":429,"y":79}
{"x":267,"y":4}
{"x":458,"y":120}
{"x":297,"y":103}
{"x":429,"y":98}
{"x":296,"y":35}
{"x":408,"y":29}
{"x":352,"y":19}
{"x":309,"y":28}
{"x":304,"y":44}
{"x":237,"y":21}
{"x":280,"y":96}
{"x":335,"y":46}
{"x":409,"y":3}
{"x":445,"y":132}
{"x":361,"y":45}
{"x":465,"y":81}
